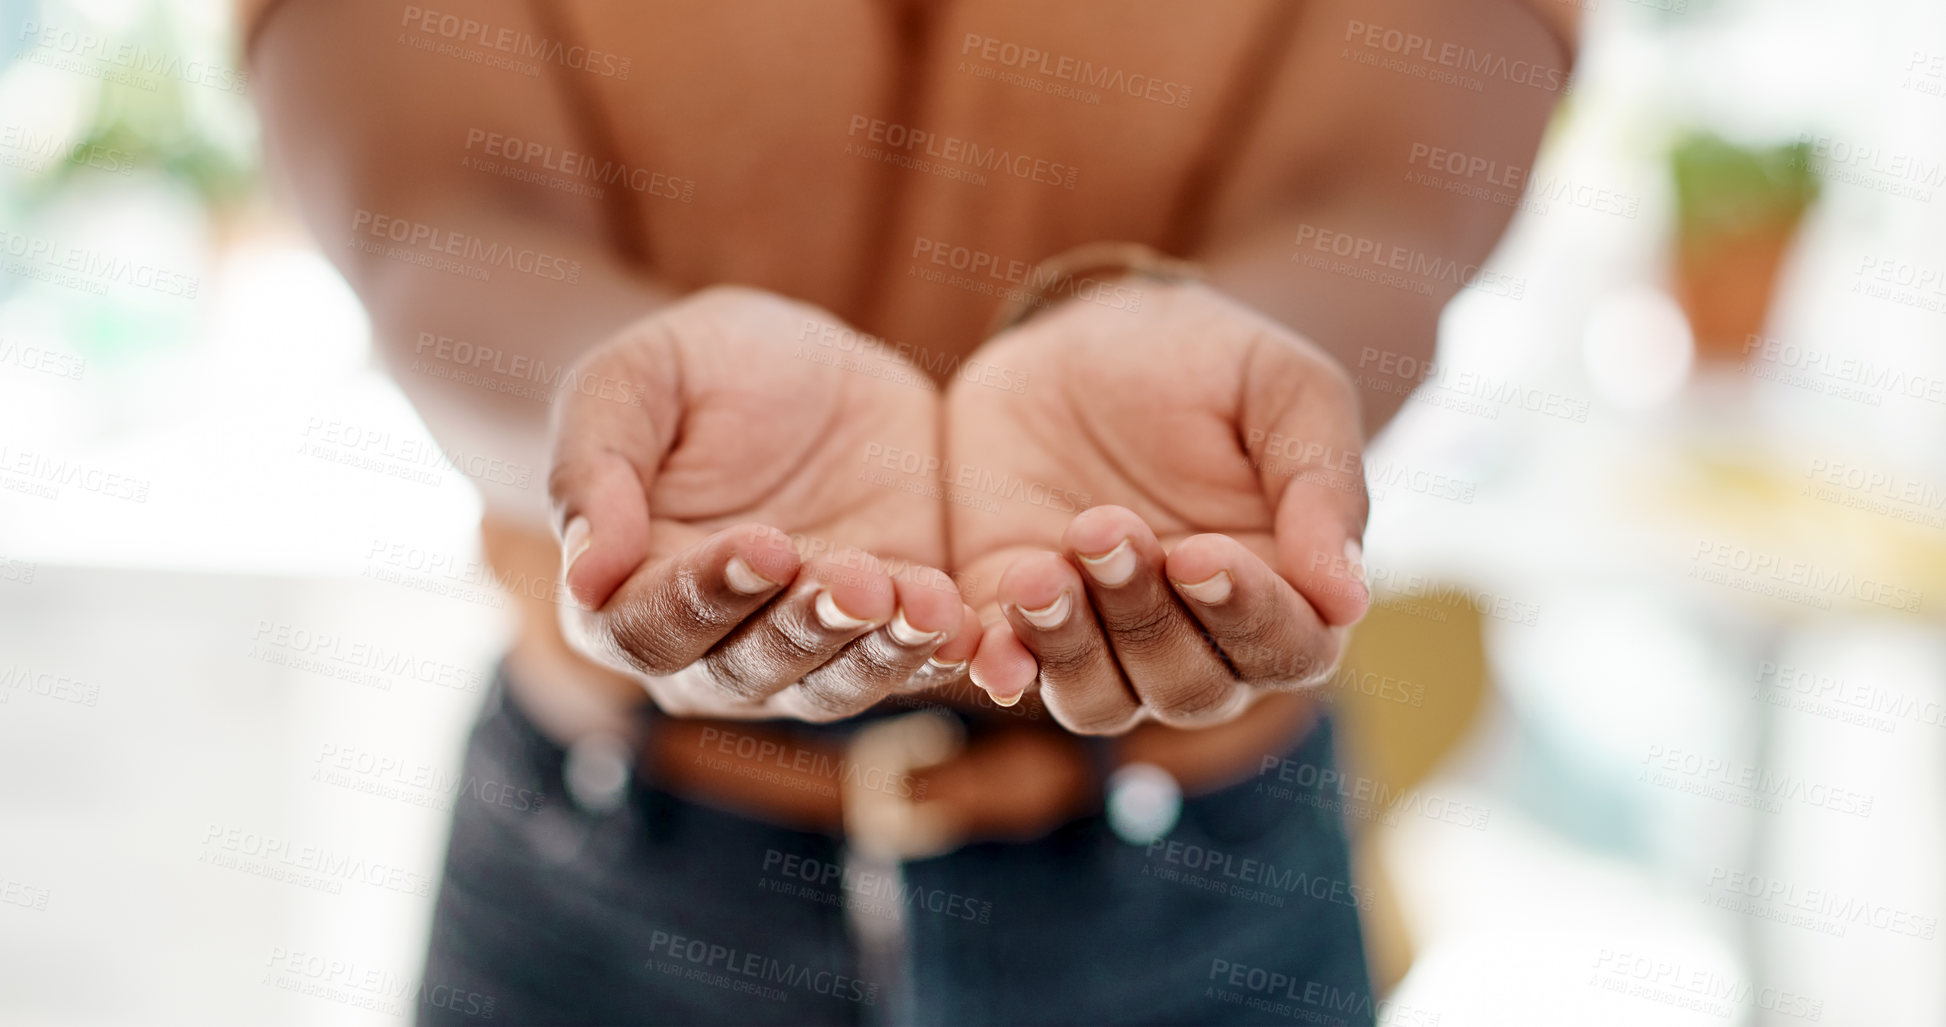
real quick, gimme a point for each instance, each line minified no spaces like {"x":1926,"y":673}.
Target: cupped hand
{"x":721,"y":541}
{"x":1166,"y":522}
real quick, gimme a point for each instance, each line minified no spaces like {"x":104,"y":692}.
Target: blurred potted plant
{"x":1737,"y":209}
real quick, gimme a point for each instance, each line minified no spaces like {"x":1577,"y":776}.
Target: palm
{"x":1143,"y":417}
{"x":771,"y":435}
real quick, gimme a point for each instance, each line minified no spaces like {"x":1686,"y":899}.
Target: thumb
{"x":1302,"y":430}
{"x":616,"y":415}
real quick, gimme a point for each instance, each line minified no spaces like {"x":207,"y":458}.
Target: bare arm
{"x":362,"y":128}
{"x":1357,"y":254}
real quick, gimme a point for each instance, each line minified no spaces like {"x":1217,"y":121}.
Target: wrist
{"x":1091,"y":266}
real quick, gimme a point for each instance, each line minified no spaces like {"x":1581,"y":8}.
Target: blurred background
{"x":1647,"y":726}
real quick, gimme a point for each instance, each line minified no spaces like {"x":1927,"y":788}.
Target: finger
{"x":1002,"y":666}
{"x":605,"y":458}
{"x":1262,"y":626}
{"x":1160,"y":648}
{"x":949,"y":663}
{"x":928,"y":613}
{"x":1082,"y":686}
{"x":1302,"y":430}
{"x":834,"y":600}
{"x":668,"y":613}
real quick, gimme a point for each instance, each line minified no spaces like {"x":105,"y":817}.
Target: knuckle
{"x":741,"y":678}
{"x":795,"y":639}
{"x":1097,"y":724}
{"x":639,"y":639}
{"x":823,"y":701}
{"x":1143,"y":631}
{"x":1196,"y":704}
{"x":1068,"y":662}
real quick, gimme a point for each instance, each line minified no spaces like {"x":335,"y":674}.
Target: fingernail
{"x":834,"y":618}
{"x":1210,"y":591}
{"x":1113,"y":567}
{"x":1012,"y":700}
{"x":1355,"y":559}
{"x":945,"y":668}
{"x":574,"y":541}
{"x":744,"y":579}
{"x":905,"y":634}
{"x":1048,"y":617}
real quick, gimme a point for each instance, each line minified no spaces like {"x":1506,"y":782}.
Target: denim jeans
{"x":662,"y":910}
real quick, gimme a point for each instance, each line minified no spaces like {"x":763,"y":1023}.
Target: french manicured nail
{"x":945,"y":668}
{"x":574,"y":541}
{"x":835,"y":618}
{"x":1048,"y":617}
{"x":744,"y":579}
{"x":1011,"y":700}
{"x":1210,"y":591}
{"x":1113,"y":567}
{"x":905,"y":634}
{"x":1355,"y":559}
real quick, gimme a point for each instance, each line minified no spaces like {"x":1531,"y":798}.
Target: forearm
{"x":484,"y":359}
{"x":1375,"y":308}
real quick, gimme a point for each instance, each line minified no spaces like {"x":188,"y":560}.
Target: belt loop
{"x":880,"y":820}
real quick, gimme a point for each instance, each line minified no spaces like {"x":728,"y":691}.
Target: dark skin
{"x":1175,"y":420}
